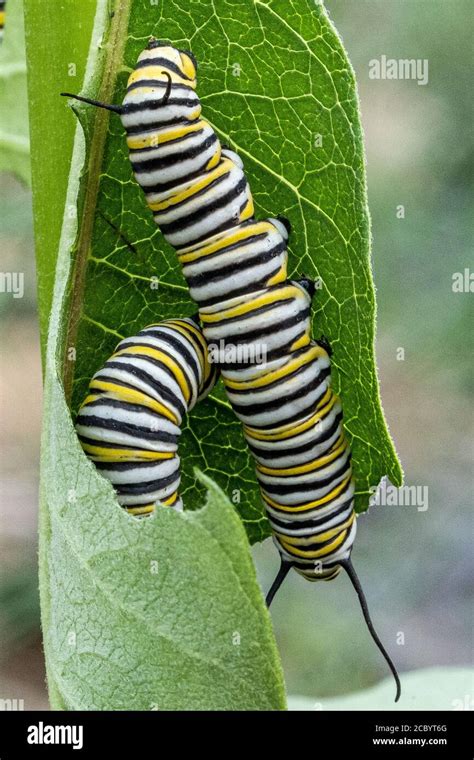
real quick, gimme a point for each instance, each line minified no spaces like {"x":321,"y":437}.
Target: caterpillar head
{"x":161,"y":88}
{"x":185,"y":55}
{"x":181,"y":65}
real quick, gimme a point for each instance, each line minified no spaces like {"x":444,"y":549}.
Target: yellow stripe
{"x":188,"y":66}
{"x":146,"y":509}
{"x":168,"y":361}
{"x":170,"y":500}
{"x":303,"y":341}
{"x":90,"y":398}
{"x":134,"y":397}
{"x":279,"y":276}
{"x":289,"y":430}
{"x":101,"y":454}
{"x":248,"y":211}
{"x":159,"y":137}
{"x":222,"y":240}
{"x":319,"y":552}
{"x":156,"y":72}
{"x":214,"y":160}
{"x":195,"y":187}
{"x":316,"y":464}
{"x":247,"y":307}
{"x":312,"y":504}
{"x":277,"y":374}
{"x":2,"y":18}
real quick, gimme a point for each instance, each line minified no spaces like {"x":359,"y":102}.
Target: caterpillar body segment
{"x":130,"y":421}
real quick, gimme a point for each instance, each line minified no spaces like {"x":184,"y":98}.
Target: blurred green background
{"x":416,"y":566}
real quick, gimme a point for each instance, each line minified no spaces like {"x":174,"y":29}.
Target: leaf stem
{"x":113,"y":60}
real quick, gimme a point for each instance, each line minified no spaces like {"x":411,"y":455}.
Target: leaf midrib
{"x":113,"y":60}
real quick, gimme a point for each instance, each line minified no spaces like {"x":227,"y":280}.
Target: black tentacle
{"x":349,"y":568}
{"x":280,"y":577}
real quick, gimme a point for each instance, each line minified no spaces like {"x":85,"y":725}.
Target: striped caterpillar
{"x":236,"y":270}
{"x":129,"y":423}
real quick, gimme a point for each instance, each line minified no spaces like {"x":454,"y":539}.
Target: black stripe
{"x":314,"y":510}
{"x":130,"y":489}
{"x":279,"y":454}
{"x":204,"y":211}
{"x":220,"y":273}
{"x":162,"y":62}
{"x":208,"y":384}
{"x":308,"y":524}
{"x":203,"y":191}
{"x":108,"y":445}
{"x":178,"y":157}
{"x":175,"y":141}
{"x":153,"y":105}
{"x":220,"y":228}
{"x":276,"y":353}
{"x":311,"y":548}
{"x":256,"y":311}
{"x":282,"y":380}
{"x":239,"y":291}
{"x":142,"y":374}
{"x":152,"y":127}
{"x":326,"y":564}
{"x":193,"y":341}
{"x":267,"y":406}
{"x":282,"y":489}
{"x":244,"y":243}
{"x":164,"y":392}
{"x":186,"y":361}
{"x":105,"y":400}
{"x":174,"y":184}
{"x":125,"y":466}
{"x":125,"y":428}
{"x":262,"y":331}
{"x":295,"y":418}
{"x":156,"y":83}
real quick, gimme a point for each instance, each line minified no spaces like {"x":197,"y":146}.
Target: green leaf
{"x":57,"y":42}
{"x":163,"y":613}
{"x":427,"y":689}
{"x":14,"y":138}
{"x":294,"y":83}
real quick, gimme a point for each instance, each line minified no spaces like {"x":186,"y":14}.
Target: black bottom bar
{"x":378,"y":734}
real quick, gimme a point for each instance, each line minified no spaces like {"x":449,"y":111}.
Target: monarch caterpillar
{"x":129,"y":423}
{"x":2,"y":18}
{"x":236,"y":270}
